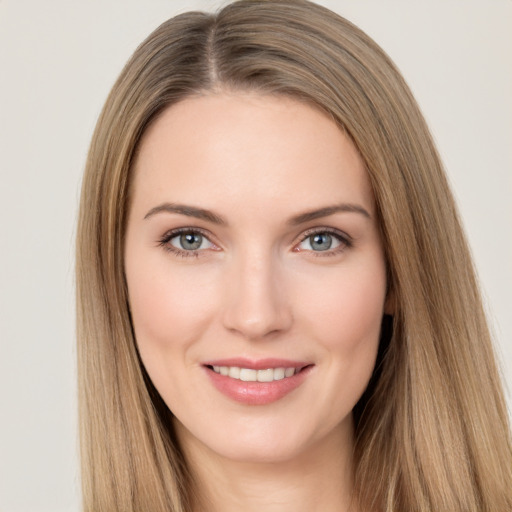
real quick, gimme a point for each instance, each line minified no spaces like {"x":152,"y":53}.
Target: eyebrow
{"x":189,"y":211}
{"x":209,"y":216}
{"x":328,"y":210}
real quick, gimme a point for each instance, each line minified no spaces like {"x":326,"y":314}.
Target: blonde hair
{"x":431,"y":429}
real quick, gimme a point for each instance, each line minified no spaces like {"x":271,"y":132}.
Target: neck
{"x":319,"y":478}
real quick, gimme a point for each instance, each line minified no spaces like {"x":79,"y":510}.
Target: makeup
{"x":257,"y":382}
{"x":255,"y":272}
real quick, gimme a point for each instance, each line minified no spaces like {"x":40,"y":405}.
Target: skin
{"x":257,"y":287}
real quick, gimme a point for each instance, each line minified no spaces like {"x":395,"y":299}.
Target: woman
{"x":276,"y":303}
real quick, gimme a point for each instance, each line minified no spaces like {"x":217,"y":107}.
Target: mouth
{"x":257,"y":383}
{"x":253,"y":375}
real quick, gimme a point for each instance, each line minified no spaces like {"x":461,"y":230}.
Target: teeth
{"x":279,"y":373}
{"x":234,"y":372}
{"x":248,"y":375}
{"x":266,"y":375}
{"x":251,"y":375}
{"x":289,"y":372}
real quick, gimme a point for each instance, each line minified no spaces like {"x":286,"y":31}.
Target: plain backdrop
{"x":58,"y":60}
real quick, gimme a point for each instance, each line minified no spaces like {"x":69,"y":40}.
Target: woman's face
{"x":255,"y":272}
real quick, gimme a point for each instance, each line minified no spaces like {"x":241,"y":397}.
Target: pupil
{"x":321,"y":241}
{"x":191,"y":241}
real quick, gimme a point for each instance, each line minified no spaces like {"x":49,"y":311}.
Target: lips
{"x":256,"y":382}
{"x":252,"y":375}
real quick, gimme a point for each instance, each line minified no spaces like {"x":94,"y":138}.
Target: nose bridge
{"x":258,"y":304}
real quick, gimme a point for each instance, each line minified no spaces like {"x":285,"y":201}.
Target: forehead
{"x":266,"y":150}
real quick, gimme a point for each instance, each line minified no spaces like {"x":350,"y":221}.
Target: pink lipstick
{"x":256,"y":382}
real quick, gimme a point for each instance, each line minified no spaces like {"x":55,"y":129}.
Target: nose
{"x":257,"y":304}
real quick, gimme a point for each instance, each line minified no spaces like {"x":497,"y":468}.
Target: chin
{"x":258,"y":442}
{"x":260,"y":451}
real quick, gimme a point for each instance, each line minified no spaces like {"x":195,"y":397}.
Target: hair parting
{"x":432,"y":428}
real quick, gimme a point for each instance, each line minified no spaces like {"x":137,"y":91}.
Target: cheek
{"x":170,"y":312}
{"x":170,"y":309}
{"x":345,"y":319}
{"x":347,"y":310}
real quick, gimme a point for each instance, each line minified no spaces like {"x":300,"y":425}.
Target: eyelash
{"x":164,"y":242}
{"x":344,"y":240}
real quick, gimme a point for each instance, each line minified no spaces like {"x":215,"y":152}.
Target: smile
{"x":257,"y":383}
{"x":252,"y":375}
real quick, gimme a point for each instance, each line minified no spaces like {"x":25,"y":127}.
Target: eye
{"x":318,"y":242}
{"x":186,"y":242}
{"x":190,"y":241}
{"x":323,"y":241}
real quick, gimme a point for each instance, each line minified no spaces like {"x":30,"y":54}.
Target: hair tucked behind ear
{"x":431,"y":430}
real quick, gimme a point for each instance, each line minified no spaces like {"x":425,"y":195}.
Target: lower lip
{"x":256,"y":393}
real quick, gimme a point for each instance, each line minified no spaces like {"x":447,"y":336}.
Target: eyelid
{"x":164,"y":240}
{"x":345,"y":240}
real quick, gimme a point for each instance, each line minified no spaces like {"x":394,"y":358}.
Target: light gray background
{"x":58,"y":59}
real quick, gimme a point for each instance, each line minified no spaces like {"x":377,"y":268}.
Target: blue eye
{"x":190,"y":241}
{"x":322,"y":241}
{"x":186,"y":242}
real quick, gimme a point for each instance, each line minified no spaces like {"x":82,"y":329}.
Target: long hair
{"x":431,"y":431}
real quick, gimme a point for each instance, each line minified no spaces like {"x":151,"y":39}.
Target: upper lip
{"x":257,"y":364}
